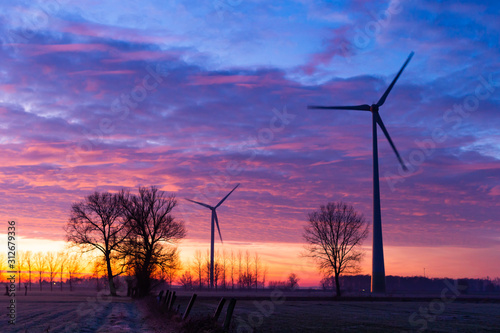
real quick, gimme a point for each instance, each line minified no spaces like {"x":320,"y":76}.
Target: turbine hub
{"x":374,"y":108}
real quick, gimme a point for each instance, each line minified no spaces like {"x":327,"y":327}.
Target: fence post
{"x":229,"y":314}
{"x":167,"y":298}
{"x":219,"y":308}
{"x":190,"y":305}
{"x":160,"y":295}
{"x":172,"y":300}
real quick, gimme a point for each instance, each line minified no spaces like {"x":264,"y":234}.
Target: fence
{"x":167,"y":300}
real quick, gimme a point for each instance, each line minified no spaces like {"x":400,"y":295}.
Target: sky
{"x":197,"y":96}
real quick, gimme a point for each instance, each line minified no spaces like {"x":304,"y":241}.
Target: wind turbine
{"x":378,"y":269}
{"x":214,"y":218}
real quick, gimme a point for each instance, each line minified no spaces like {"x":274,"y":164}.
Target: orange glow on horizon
{"x":281,"y":259}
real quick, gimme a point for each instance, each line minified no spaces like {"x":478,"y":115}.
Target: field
{"x":296,"y":312}
{"x":80,"y":311}
{"x":266,"y":311}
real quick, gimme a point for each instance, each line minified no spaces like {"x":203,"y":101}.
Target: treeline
{"x":231,"y":271}
{"x":361,"y":283}
{"x":58,"y":269}
{"x":50,"y":267}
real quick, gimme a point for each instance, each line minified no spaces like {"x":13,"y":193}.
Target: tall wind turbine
{"x":214,"y":218}
{"x":378,"y":269}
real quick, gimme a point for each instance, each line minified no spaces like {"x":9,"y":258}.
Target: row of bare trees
{"x":39,"y":266}
{"x":134,"y":233}
{"x":231,"y":271}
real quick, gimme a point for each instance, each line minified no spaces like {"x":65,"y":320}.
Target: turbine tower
{"x":214,"y":218}
{"x":378,"y":269}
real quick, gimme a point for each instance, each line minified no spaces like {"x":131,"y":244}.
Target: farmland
{"x":265,"y":311}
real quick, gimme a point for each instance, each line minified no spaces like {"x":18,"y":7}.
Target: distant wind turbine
{"x":214,"y":218}
{"x":378,"y":269}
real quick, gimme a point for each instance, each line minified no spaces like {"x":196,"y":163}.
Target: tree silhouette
{"x":52,"y":265}
{"x":186,"y":280}
{"x":74,"y":265}
{"x":28,"y":255}
{"x":151,"y":226}
{"x":98,"y":223}
{"x":333,"y":234}
{"x":293,"y":281}
{"x":39,"y":265}
{"x":198,"y":267}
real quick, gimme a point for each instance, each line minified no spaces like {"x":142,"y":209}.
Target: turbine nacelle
{"x":374,"y":109}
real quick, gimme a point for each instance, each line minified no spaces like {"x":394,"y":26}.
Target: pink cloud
{"x":103,"y":72}
{"x":40,"y":49}
{"x":221,"y":79}
{"x":119,"y":33}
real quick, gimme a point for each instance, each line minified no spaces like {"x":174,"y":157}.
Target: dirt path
{"x":78,"y":315}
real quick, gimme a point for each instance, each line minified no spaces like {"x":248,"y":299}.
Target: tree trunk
{"x":337,"y":284}
{"x":111,"y":282}
{"x":143,"y":282}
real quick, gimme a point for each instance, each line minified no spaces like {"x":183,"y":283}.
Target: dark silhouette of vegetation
{"x":333,"y":233}
{"x":291,"y":283}
{"x":98,"y":223}
{"x":413,"y":284}
{"x":150,"y":227}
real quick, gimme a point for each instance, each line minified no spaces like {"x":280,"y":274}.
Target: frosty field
{"x":90,"y":311}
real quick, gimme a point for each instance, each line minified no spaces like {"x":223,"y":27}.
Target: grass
{"x":320,"y":314}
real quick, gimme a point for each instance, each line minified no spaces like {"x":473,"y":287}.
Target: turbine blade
{"x":382,"y":126}
{"x":364,"y":107}
{"x":217,"y":223}
{"x":220,"y":202}
{"x":199,"y":203}
{"x":386,"y":93}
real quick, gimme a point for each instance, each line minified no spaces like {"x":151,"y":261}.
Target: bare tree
{"x":206,"y":267}
{"x":98,"y":223}
{"x":217,"y":269}
{"x":29,"y":263}
{"x":232,"y":263}
{"x":333,"y":234}
{"x":20,"y":264}
{"x":73,"y":265}
{"x":264,"y":274}
{"x":172,"y":269}
{"x":240,"y":269}
{"x":186,"y":280}
{"x":198,"y":267}
{"x":39,"y":266}
{"x":151,"y":226}
{"x":61,"y":258}
{"x":256,"y":262}
{"x":224,"y":262}
{"x":98,"y":270}
{"x":52,"y":265}
{"x":293,"y":281}
{"x":248,"y":270}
